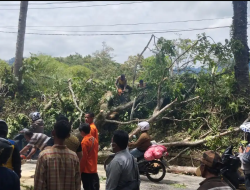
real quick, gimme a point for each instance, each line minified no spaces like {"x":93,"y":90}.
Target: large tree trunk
{"x":241,"y":54}
{"x":20,"y":40}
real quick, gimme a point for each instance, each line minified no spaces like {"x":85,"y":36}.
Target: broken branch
{"x":198,"y":142}
{"x":179,"y":154}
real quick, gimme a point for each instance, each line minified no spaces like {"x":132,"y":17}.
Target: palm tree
{"x":20,"y":40}
{"x":240,"y":49}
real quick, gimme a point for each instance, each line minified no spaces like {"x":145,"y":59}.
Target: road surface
{"x":170,"y":182}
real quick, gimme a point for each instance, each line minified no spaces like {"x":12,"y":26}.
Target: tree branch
{"x":74,"y":100}
{"x":179,"y":154}
{"x":132,"y":109}
{"x":198,"y":142}
{"x":124,"y":123}
{"x":135,"y":68}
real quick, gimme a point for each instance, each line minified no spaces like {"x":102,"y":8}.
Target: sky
{"x":75,"y":14}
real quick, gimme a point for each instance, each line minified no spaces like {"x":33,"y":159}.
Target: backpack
{"x":246,"y":155}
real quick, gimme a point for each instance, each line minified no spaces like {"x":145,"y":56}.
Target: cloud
{"x":124,"y":46}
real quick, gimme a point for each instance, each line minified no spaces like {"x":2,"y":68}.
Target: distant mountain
{"x":11,"y":61}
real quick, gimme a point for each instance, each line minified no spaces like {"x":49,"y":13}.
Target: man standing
{"x":89,"y":118}
{"x":88,"y":164}
{"x":14,"y":161}
{"x":123,"y":169}
{"x":72,"y":141}
{"x":58,"y":168}
{"x":211,"y":164}
{"x":36,"y":141}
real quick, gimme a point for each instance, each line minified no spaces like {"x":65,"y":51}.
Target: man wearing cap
{"x":209,"y":168}
{"x":144,"y":141}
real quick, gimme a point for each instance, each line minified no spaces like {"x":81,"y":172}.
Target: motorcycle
{"x":230,"y":170}
{"x":148,"y":168}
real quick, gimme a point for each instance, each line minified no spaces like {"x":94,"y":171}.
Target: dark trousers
{"x":247,"y":181}
{"x":90,"y":181}
{"x":127,"y":87}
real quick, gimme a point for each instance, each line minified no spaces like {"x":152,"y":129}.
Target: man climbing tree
{"x":121,"y":83}
{"x":241,"y":50}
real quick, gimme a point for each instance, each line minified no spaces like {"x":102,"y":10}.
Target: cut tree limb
{"x":179,"y":154}
{"x":198,"y":142}
{"x":132,"y":109}
{"x":74,"y":100}
{"x":182,"y":170}
{"x":124,"y":123}
{"x":135,"y":68}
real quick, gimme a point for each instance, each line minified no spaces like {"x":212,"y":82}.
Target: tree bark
{"x":241,"y":50}
{"x":182,"y":170}
{"x":20,"y":40}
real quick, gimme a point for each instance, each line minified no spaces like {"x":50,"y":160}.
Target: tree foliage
{"x":169,"y":74}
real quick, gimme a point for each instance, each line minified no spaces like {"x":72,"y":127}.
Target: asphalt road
{"x":170,"y":182}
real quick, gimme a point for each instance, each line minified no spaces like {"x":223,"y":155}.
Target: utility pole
{"x":20,"y":41}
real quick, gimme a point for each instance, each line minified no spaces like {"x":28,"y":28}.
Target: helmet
{"x":144,"y":126}
{"x":3,"y":126}
{"x":35,"y":116}
{"x":5,"y":150}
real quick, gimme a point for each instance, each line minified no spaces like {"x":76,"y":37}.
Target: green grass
{"x":179,"y":185}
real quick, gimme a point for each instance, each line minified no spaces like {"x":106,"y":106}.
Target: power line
{"x":46,"y":3}
{"x":130,"y":24}
{"x":82,"y":6}
{"x":100,"y":34}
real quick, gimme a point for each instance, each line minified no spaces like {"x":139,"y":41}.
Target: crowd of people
{"x":64,"y":163}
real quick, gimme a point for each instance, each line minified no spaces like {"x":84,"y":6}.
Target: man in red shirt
{"x":89,"y":118}
{"x":88,"y":164}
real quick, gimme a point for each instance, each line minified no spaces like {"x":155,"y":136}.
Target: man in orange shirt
{"x":89,"y":118}
{"x":88,"y":164}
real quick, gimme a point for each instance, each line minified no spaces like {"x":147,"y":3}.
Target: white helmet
{"x":35,"y":116}
{"x":144,"y":126}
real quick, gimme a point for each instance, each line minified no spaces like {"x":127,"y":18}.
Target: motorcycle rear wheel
{"x":154,"y":167}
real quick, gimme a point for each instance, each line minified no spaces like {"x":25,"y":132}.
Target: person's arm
{"x":84,"y":154}
{"x":137,"y":143}
{"x":78,"y":177}
{"x":79,"y":152}
{"x":113,"y":175}
{"x":79,"y":155}
{"x":32,"y":152}
{"x":40,"y":178}
{"x":16,"y":161}
{"x":25,"y":149}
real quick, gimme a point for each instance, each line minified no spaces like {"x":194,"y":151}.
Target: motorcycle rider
{"x":210,"y":165}
{"x":14,"y":161}
{"x":37,"y":124}
{"x":8,"y":178}
{"x":244,"y":155}
{"x":144,"y":141}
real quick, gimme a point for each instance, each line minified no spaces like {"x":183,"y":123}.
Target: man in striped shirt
{"x":36,"y":141}
{"x":58,"y":168}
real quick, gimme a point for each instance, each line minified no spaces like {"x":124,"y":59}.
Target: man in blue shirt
{"x":8,"y":178}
